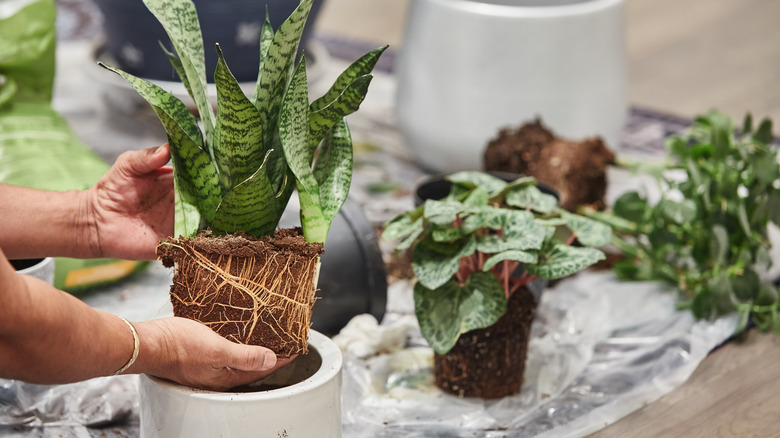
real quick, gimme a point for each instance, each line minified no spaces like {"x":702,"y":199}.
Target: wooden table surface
{"x":685,"y":57}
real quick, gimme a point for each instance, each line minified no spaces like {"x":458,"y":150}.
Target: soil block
{"x":574,"y":169}
{"x":251,"y":291}
{"x":490,"y":362}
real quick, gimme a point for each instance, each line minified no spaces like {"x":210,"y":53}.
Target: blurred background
{"x":685,"y":56}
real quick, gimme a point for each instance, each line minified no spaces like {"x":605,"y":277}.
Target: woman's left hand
{"x":131,"y":207}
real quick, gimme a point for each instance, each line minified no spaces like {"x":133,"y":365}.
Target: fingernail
{"x":269,"y":360}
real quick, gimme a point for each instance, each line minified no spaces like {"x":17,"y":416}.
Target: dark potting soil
{"x":251,"y":291}
{"x":490,"y":362}
{"x":575,"y":169}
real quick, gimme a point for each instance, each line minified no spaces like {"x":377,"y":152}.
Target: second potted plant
{"x":474,"y":255}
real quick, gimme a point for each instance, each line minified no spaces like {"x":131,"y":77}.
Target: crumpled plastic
{"x":600,"y":349}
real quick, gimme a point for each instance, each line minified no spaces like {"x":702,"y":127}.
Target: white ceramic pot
{"x":468,"y":68}
{"x":43,"y":269}
{"x":305,"y":403}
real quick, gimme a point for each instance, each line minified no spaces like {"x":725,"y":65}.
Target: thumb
{"x":250,"y":358}
{"x":141,"y":162}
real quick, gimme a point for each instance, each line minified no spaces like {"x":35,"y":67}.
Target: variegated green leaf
{"x":333,"y":169}
{"x":588,"y":232}
{"x":403,"y":224}
{"x":186,"y":222}
{"x":441,"y":212}
{"x":361,"y":67}
{"x":477,"y":199}
{"x":197,"y":176}
{"x":489,"y":217}
{"x":176,"y":64}
{"x":452,"y":310}
{"x":490,"y":183}
{"x":250,"y":207}
{"x":266,"y":39}
{"x":314,"y":225}
{"x":564,"y":260}
{"x":180,"y":21}
{"x":322,"y":120}
{"x":519,"y":231}
{"x":433,"y":268}
{"x":446,"y":234}
{"x":238,"y":135}
{"x":294,"y":131}
{"x":278,"y":64}
{"x":514,"y":255}
{"x":531,"y":197}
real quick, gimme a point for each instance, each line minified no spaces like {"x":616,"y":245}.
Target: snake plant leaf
{"x":238,"y":134}
{"x":588,"y":231}
{"x":180,"y":21}
{"x":314,"y":225}
{"x":197,"y":176}
{"x":250,"y":206}
{"x":565,"y":260}
{"x":514,"y":255}
{"x":173,"y":58}
{"x":294,"y":131}
{"x":490,"y":183}
{"x":322,"y":120}
{"x":278,"y":65}
{"x":7,"y":89}
{"x":531,"y":197}
{"x":187,"y":219}
{"x":362,"y":67}
{"x":266,"y":39}
{"x":433,"y":269}
{"x":333,"y":169}
{"x":451,"y":310}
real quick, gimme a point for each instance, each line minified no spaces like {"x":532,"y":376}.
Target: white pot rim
{"x":43,"y":262}
{"x":331,"y":365}
{"x":482,"y":7}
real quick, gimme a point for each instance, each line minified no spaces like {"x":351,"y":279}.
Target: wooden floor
{"x":686,"y":56}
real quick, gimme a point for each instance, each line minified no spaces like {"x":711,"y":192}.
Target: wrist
{"x":85,"y":226}
{"x":153,"y":350}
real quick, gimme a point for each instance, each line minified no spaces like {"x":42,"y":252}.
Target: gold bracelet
{"x":136,"y":347}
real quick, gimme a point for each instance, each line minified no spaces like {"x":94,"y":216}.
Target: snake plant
{"x":239,"y":172}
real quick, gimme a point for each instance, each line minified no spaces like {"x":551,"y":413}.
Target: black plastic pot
{"x":353,"y":280}
{"x":133,"y":35}
{"x":437,"y":187}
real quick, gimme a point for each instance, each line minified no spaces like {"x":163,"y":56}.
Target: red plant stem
{"x":505,"y":274}
{"x":571,"y":240}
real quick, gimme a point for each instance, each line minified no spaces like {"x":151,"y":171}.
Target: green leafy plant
{"x":466,"y":249}
{"x":708,"y":232}
{"x":239,"y":173}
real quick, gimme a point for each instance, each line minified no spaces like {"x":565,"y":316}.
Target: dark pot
{"x":133,"y":35}
{"x":490,"y":362}
{"x":437,"y":187}
{"x":353,"y":280}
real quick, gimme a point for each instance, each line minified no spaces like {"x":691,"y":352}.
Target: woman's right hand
{"x":191,"y":354}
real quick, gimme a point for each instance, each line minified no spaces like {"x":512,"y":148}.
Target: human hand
{"x":131,"y":206}
{"x":191,"y":354}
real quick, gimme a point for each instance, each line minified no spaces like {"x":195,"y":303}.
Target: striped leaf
{"x":278,"y":66}
{"x":452,"y":310}
{"x":180,"y":21}
{"x":266,"y":38}
{"x":294,"y":131}
{"x":197,"y":176}
{"x":173,"y":58}
{"x":250,"y":207}
{"x":186,"y":222}
{"x":333,"y":169}
{"x":313,"y":223}
{"x":359,"y":68}
{"x":238,"y":135}
{"x":322,"y":120}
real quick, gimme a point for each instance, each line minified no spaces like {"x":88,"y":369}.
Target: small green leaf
{"x":631,"y":206}
{"x":403,"y":224}
{"x":333,"y":169}
{"x":442,"y":212}
{"x":447,"y":312}
{"x":588,"y":232}
{"x":679,"y":212}
{"x":514,"y":255}
{"x":565,"y":260}
{"x":764,"y":132}
{"x":747,"y":124}
{"x":361,"y":67}
{"x":322,"y":120}
{"x":489,"y":183}
{"x":433,"y":268}
{"x":533,"y":198}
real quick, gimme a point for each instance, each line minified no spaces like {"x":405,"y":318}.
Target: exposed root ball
{"x":251,"y":291}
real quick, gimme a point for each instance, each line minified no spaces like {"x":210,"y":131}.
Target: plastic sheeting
{"x":600,"y":349}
